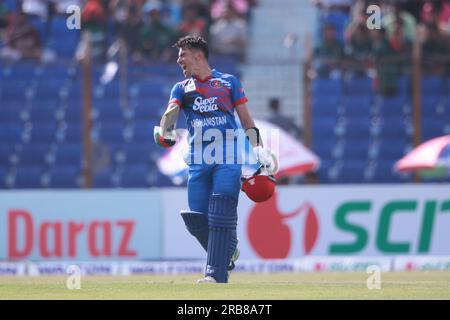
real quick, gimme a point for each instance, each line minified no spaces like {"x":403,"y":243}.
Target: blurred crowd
{"x":147,"y":27}
{"x":350,"y":39}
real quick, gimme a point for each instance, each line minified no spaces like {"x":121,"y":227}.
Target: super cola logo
{"x":205,"y":105}
{"x":273,"y":234}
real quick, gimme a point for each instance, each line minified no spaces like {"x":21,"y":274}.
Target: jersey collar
{"x":207,"y":78}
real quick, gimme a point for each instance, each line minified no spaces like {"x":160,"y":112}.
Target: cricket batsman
{"x":209,"y":99}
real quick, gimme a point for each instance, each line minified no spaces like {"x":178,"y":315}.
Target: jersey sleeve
{"x":237,"y":92}
{"x":176,"y":95}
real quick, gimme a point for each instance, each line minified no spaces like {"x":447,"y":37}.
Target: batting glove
{"x":165,"y":142}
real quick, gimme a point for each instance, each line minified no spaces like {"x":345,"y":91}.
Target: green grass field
{"x":324,"y":285}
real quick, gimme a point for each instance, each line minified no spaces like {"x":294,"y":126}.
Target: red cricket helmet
{"x":259,"y":187}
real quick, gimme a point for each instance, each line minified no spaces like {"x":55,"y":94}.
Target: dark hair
{"x":192,"y":42}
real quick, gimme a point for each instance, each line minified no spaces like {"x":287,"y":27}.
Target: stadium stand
{"x":362,"y":108}
{"x":41,"y":142}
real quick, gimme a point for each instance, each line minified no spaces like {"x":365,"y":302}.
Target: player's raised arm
{"x":165,"y":135}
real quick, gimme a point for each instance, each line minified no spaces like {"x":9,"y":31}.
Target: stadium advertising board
{"x":80,"y":225}
{"x":360,"y":220}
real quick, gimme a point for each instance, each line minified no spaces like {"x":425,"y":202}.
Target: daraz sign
{"x":348,"y":220}
{"x":431,"y":211}
{"x":79,"y":225}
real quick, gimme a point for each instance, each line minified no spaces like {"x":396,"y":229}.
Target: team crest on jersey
{"x":216,"y":83}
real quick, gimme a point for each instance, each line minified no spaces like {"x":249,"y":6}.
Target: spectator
{"x":229,"y":34}
{"x":407,"y":20}
{"x":359,"y":47}
{"x":437,"y":11}
{"x":93,"y":15}
{"x":387,"y":71}
{"x":436,"y":49}
{"x":400,"y":43}
{"x":173,"y":13}
{"x":334,"y":5}
{"x":61,"y":6}
{"x":219,"y":8}
{"x":201,"y":8}
{"x":128,"y":30}
{"x":22,"y":40}
{"x":37,"y":8}
{"x":157,"y":37}
{"x":281,"y":120}
{"x":93,"y":18}
{"x":329,"y":51}
{"x":4,"y":17}
{"x":414,"y":7}
{"x":192,"y":23}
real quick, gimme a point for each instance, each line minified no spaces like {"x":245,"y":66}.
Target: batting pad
{"x":222,"y":219}
{"x":197,"y":225}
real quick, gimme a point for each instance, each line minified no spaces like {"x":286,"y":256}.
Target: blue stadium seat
{"x":64,"y":176}
{"x":49,"y":89}
{"x":73,"y":132}
{"x":74,"y":92}
{"x":357,"y":105}
{"x":391,"y":128}
{"x":392,"y":149}
{"x":69,"y":154}
{"x":112,"y":132}
{"x":137,"y":153}
{"x":43,"y":113}
{"x":323,"y":128}
{"x":432,"y":85}
{"x":43,"y":132}
{"x":3,"y":173}
{"x":157,"y":179}
{"x":147,"y":112}
{"x":6,"y":154}
{"x":11,"y":4}
{"x":103,"y":179}
{"x":325,"y":165}
{"x":10,"y":114}
{"x":11,"y":133}
{"x":55,"y":71}
{"x":404,"y":85}
{"x":136,"y":177}
{"x":352,"y":171}
{"x":108,"y":111}
{"x":108,"y":91}
{"x":358,"y":127}
{"x":23,"y":70}
{"x":327,"y":86}
{"x":392,"y":106}
{"x":356,"y":149}
{"x":359,"y":86}
{"x":384,"y":172}
{"x":323,"y":148}
{"x":430,"y":104}
{"x":28,"y":177}
{"x":434,"y":126}
{"x":324,"y":106}
{"x":34,"y":154}
{"x":14,"y":89}
{"x":143,"y":130}
{"x":74,"y":111}
{"x":59,"y":30}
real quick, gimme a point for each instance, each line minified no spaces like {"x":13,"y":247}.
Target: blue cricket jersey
{"x":208,"y":104}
